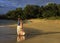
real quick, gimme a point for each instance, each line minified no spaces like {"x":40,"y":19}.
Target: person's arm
{"x":21,"y":24}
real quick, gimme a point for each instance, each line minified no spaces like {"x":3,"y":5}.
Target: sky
{"x":6,"y":5}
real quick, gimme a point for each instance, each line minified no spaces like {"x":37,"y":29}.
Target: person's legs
{"x":20,"y":38}
{"x":18,"y":30}
{"x":22,"y":32}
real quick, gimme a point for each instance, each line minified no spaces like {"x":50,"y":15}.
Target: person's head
{"x":19,"y":17}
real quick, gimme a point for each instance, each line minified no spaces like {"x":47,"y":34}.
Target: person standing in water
{"x":20,"y":30}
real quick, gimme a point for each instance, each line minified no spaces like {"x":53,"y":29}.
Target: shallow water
{"x":8,"y":34}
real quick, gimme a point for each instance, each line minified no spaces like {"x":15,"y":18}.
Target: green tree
{"x":31,"y":11}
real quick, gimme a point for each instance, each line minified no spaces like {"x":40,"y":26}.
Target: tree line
{"x":51,"y":10}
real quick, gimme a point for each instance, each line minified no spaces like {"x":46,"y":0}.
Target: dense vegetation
{"x":51,"y":10}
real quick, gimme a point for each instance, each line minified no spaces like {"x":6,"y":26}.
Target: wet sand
{"x":7,"y":35}
{"x":36,"y":32}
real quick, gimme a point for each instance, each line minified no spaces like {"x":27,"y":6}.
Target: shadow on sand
{"x":30,"y":32}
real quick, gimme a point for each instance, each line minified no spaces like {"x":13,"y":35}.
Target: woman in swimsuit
{"x":20,"y":27}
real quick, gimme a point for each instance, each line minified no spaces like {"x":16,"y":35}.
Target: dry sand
{"x":42,"y":31}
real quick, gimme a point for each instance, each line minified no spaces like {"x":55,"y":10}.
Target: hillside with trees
{"x":49,"y":11}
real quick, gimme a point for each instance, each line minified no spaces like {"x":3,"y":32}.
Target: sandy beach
{"x":37,"y":31}
{"x":43,"y":31}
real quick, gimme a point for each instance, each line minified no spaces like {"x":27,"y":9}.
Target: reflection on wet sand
{"x":20,"y":38}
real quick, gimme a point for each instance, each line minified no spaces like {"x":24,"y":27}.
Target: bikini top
{"x":18,"y":22}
